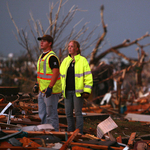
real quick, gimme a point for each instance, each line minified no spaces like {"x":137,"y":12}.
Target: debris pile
{"x":21,"y":128}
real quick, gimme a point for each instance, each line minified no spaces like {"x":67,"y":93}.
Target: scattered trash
{"x":21,"y":125}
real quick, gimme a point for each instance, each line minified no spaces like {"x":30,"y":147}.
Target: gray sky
{"x":125,"y":19}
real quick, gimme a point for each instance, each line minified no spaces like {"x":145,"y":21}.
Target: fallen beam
{"x":34,"y":133}
{"x":65,"y":146}
{"x":102,"y":147}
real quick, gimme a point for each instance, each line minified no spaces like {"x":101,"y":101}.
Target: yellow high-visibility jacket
{"x":44,"y":74}
{"x":83,"y":76}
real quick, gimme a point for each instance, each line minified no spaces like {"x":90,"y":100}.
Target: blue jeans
{"x":47,"y":108}
{"x":76,"y":103}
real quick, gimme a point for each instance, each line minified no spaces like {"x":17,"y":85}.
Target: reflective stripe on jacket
{"x":44,"y":74}
{"x":83,"y":75}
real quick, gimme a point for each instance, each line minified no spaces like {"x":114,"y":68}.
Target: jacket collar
{"x":75,"y":57}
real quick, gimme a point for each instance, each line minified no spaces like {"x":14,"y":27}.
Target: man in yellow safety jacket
{"x":48,"y":82}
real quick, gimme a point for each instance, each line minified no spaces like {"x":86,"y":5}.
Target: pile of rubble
{"x":21,"y":128}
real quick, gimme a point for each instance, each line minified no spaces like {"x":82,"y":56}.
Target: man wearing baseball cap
{"x":46,"y":37}
{"x":48,"y":83}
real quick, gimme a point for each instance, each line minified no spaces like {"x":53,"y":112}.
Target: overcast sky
{"x":125,"y":19}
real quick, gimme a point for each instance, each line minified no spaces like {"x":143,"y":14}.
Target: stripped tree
{"x":56,"y":29}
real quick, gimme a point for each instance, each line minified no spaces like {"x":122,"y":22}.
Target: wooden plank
{"x":131,"y":139}
{"x":65,"y":146}
{"x":18,"y":147}
{"x":22,"y":122}
{"x":92,"y":137}
{"x":119,"y":139}
{"x":8,"y":125}
{"x":93,"y":146}
{"x":80,"y":148}
{"x":29,"y":143}
{"x":9,"y":90}
{"x":138,"y":109}
{"x":2,"y":117}
{"x":34,"y":133}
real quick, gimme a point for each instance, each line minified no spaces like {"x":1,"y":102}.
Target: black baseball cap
{"x":46,"y":37}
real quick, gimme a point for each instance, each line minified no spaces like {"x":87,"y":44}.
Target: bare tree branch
{"x":93,"y":54}
{"x":56,"y":19}
{"x":126,"y":43}
{"x":12,"y":19}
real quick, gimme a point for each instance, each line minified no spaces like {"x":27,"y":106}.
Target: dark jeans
{"x":76,"y":103}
